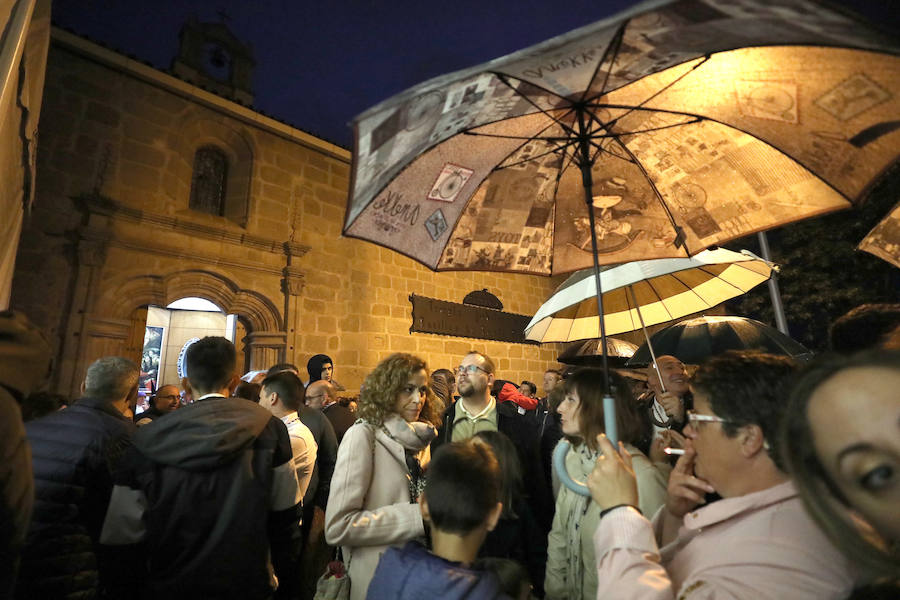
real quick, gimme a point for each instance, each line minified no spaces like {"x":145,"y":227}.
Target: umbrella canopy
{"x":589,"y":353}
{"x":689,"y":123}
{"x":884,"y":240}
{"x":692,"y":341}
{"x":664,"y":289}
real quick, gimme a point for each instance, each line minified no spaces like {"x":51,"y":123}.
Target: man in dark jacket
{"x":211,"y":491}
{"x":477,"y":410}
{"x":73,"y":454}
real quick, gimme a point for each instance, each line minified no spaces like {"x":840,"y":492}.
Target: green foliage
{"x":822,"y":274}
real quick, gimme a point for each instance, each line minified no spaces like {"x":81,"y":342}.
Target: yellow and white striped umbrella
{"x":663,"y":289}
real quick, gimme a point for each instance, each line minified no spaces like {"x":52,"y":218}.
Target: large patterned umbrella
{"x":656,"y":133}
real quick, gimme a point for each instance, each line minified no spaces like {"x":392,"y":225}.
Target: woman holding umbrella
{"x":571,"y":566}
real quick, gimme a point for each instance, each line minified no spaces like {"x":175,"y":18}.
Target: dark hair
{"x":489,"y":366}
{"x":40,"y":404}
{"x":247,"y":391}
{"x":589,"y":384}
{"x":748,"y":388}
{"x":210,"y":363}
{"x":510,"y":573}
{"x":511,"y":480}
{"x":819,"y":493}
{"x":446,"y":374}
{"x":864,"y":327}
{"x":554,"y":371}
{"x":530,"y":385}
{"x":462,"y":486}
{"x":555,"y":398}
{"x":282,"y":367}
{"x":315,"y":365}
{"x":289,"y":388}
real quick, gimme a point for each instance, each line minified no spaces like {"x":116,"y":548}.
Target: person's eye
{"x":878,"y":478}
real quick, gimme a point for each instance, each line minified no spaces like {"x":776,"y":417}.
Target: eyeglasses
{"x":469,"y":369}
{"x":694,"y":418}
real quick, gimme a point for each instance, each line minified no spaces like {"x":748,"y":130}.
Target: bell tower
{"x":211,"y":57}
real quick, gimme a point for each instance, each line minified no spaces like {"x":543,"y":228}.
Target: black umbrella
{"x":694,"y":340}
{"x":588,"y":353}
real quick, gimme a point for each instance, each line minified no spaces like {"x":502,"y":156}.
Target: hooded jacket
{"x":209,"y":490}
{"x":413,"y":573}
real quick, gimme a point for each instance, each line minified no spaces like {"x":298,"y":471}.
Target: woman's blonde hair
{"x":821,"y":496}
{"x":381,"y":387}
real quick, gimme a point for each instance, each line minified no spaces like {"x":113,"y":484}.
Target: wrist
{"x":605,"y":511}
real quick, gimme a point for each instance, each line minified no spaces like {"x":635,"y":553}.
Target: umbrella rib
{"x":659,"y":196}
{"x":537,"y":156}
{"x":663,"y":89}
{"x":649,"y":282}
{"x":616,"y":46}
{"x":692,"y":290}
{"x":600,"y":149}
{"x":505,"y":79}
{"x":724,"y":280}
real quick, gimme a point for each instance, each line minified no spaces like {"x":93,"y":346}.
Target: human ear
{"x":233,"y":383}
{"x":494,"y":516}
{"x":423,"y":507}
{"x":186,"y":386}
{"x":752,"y":440}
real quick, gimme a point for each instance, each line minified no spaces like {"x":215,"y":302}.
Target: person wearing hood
{"x":321,"y":368}
{"x":211,"y":491}
{"x":74,"y":454}
{"x":377,"y":479}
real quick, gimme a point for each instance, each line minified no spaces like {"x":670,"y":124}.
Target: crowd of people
{"x":748,"y":476}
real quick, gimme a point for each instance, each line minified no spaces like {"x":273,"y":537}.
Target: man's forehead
{"x":669,"y":361}
{"x":472,"y":358}
{"x":166,"y":390}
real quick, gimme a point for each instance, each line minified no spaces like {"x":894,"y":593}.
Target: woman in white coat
{"x":377,"y":477}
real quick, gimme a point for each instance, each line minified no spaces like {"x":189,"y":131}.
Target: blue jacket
{"x":414,"y":573}
{"x":73,"y":454}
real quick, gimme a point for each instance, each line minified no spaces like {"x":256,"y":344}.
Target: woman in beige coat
{"x":377,"y":477}
{"x":571,"y":566}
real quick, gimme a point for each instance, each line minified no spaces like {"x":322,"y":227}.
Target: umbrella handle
{"x":609,"y":420}
{"x":559,"y":465}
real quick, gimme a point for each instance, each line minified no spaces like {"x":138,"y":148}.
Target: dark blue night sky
{"x":320,"y":63}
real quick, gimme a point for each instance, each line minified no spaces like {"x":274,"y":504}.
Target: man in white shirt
{"x":281,"y":395}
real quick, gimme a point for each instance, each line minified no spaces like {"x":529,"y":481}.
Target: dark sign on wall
{"x":430,"y":315}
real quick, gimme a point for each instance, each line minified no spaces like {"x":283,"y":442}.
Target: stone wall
{"x":112,"y":231}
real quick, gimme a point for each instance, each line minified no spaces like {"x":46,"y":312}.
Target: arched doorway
{"x":117,"y":325}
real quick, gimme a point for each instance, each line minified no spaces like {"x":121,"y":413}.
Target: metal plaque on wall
{"x":430,"y":315}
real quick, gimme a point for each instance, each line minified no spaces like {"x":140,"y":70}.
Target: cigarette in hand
{"x":674,"y":451}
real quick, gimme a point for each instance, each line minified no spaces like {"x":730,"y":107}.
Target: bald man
{"x":322,"y":395}
{"x":668,"y":396}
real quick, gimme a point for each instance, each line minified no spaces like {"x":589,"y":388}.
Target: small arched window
{"x":208,"y":182}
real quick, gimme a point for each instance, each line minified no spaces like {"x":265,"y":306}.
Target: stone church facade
{"x":118,"y":225}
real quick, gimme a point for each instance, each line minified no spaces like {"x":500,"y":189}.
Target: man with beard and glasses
{"x":477,"y":410}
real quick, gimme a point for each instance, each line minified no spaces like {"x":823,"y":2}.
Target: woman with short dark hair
{"x":571,"y":565}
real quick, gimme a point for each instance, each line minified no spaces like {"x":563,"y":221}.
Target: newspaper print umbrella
{"x":652,"y":291}
{"x":656,"y":133}
{"x":691,"y":123}
{"x":692,"y":341}
{"x":884,"y":240}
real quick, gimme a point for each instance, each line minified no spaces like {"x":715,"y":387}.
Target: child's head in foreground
{"x":462,"y":489}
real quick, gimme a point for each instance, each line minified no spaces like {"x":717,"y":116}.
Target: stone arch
{"x":120,"y":300}
{"x":239,"y":149}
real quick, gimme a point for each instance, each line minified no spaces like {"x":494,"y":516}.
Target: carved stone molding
{"x":293,"y":281}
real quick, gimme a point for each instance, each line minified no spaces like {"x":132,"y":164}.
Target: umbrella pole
{"x":647,"y":337}
{"x":609,"y":406}
{"x":774,"y":292}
